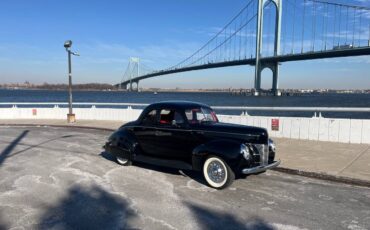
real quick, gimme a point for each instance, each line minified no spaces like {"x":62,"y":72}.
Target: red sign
{"x":34,"y":112}
{"x":275,"y":124}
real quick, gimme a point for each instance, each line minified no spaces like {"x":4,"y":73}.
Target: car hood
{"x":243,"y":131}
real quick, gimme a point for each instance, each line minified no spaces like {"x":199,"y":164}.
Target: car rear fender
{"x":228,"y":150}
{"x":123,"y":141}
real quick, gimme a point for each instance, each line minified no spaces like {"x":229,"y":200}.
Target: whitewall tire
{"x":123,"y":161}
{"x":217,"y":172}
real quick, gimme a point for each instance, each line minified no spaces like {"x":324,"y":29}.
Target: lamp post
{"x":70,"y":116}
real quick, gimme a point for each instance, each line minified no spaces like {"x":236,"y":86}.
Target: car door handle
{"x":160,"y":133}
{"x":198,"y":132}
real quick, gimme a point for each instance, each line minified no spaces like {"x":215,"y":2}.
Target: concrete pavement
{"x":338,"y":161}
{"x":59,"y":178}
{"x":335,"y":159}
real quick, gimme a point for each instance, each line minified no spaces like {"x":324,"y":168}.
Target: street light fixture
{"x":70,"y":116}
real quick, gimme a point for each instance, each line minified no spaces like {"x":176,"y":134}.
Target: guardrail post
{"x":317,"y":115}
{"x":244,"y":113}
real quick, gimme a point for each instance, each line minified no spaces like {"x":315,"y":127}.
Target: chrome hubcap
{"x":216,"y":171}
{"x":122,"y":160}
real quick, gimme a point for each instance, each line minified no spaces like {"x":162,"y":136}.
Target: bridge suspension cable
{"x":325,"y":25}
{"x":228,"y":31}
{"x":310,"y":29}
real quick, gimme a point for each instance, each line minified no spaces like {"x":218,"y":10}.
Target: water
{"x":219,"y":99}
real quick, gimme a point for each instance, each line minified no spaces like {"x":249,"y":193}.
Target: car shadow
{"x":108,"y":156}
{"x":207,"y":218}
{"x":88,"y":208}
{"x":194,"y":175}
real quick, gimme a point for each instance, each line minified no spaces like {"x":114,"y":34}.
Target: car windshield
{"x":200,"y":115}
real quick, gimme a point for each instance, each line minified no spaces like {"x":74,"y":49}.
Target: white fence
{"x":92,"y":113}
{"x":316,"y":128}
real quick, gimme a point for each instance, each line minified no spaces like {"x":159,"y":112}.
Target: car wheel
{"x":217,"y":173}
{"x":123,"y":161}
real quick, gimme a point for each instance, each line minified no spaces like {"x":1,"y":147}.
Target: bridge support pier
{"x":275,"y":80}
{"x":122,"y":86}
{"x":273,"y":66}
{"x":132,"y":89}
{"x":257,"y":80}
{"x":137,"y":86}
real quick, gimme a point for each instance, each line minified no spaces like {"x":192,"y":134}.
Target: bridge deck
{"x":282,"y":58}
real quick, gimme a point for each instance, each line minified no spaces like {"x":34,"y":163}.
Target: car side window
{"x":199,"y":115}
{"x":167,"y":116}
{"x":193,"y":115}
{"x":179,"y":118}
{"x":189,"y":114}
{"x":150,"y":118}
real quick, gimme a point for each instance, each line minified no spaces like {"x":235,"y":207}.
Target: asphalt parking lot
{"x":59,"y":178}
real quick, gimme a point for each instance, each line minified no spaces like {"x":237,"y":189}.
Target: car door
{"x":173,"y":136}
{"x":145,"y":133}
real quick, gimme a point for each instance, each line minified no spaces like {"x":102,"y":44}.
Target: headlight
{"x":244,"y":150}
{"x":272,"y":146}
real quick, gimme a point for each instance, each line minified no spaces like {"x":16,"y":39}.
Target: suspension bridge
{"x":266,"y":33}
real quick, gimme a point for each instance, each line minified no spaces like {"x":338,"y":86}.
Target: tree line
{"x":86,"y":86}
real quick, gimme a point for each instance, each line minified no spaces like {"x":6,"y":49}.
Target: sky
{"x":161,"y":33}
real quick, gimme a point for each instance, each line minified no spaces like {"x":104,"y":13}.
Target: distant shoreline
{"x":287,"y":92}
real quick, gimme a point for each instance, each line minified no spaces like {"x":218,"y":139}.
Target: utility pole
{"x":70,"y":116}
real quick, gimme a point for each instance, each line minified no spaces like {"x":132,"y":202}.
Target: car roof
{"x":177,"y":104}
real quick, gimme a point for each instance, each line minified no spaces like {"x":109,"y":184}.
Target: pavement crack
{"x":354,"y":160}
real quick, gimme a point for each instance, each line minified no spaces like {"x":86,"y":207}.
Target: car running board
{"x":163,"y":162}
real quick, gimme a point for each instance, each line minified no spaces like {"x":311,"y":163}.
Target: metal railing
{"x":240,"y":108}
{"x":74,"y":103}
{"x":301,"y":109}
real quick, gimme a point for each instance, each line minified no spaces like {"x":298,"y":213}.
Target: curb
{"x":324,"y":176}
{"x":60,"y":126}
{"x":315,"y":175}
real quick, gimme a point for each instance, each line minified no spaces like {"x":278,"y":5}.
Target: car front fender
{"x":228,"y":150}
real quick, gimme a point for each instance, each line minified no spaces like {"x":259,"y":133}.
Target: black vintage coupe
{"x":188,"y":135}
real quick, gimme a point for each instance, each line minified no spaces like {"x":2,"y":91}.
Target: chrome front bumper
{"x":260,"y":168}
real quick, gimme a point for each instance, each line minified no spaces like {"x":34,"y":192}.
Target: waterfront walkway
{"x":328,"y":160}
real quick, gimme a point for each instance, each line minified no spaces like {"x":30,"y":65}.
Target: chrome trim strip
{"x":189,"y":130}
{"x":260,"y":168}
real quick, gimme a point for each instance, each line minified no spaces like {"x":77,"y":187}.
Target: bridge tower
{"x":132,"y":72}
{"x":274,"y":65}
{"x":135,"y":72}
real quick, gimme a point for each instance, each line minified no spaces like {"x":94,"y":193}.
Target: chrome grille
{"x":263,"y":152}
